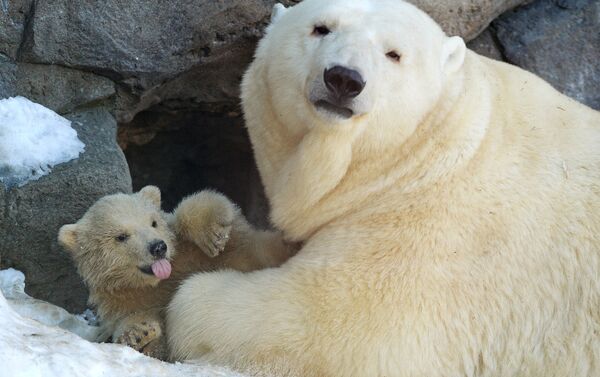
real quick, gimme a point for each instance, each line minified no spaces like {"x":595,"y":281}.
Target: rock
{"x":182,"y":54}
{"x":13,"y":15}
{"x":558,"y":40}
{"x":30,"y":216}
{"x":213,"y":86}
{"x":485,"y":44}
{"x":58,"y":88}
{"x":8,"y":72}
{"x":145,"y":44}
{"x":466,"y":18}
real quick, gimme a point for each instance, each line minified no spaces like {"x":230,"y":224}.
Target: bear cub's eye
{"x":393,"y":55}
{"x":154,"y":224}
{"x":122,"y":237}
{"x":321,"y":30}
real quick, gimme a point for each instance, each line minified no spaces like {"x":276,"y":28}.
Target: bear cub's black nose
{"x":344,"y":83}
{"x":158,"y":249}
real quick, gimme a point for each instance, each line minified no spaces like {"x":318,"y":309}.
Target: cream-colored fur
{"x":451,"y":230}
{"x":205,"y":232}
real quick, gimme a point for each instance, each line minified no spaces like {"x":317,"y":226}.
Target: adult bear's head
{"x":328,"y":63}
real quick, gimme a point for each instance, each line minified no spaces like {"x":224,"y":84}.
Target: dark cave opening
{"x":185,"y":152}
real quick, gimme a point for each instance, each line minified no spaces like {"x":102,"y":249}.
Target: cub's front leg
{"x":213,"y":223}
{"x":205,"y":218}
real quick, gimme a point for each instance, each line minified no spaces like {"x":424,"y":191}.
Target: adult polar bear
{"x":449,"y":207}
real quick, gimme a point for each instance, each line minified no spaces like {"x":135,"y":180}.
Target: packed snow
{"x":33,"y":139}
{"x":43,"y":347}
{"x":12,"y":285}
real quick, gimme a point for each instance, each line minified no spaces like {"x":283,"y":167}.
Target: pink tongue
{"x":161,"y":269}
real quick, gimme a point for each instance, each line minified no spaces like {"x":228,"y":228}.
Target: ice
{"x":29,"y":348}
{"x":33,"y":139}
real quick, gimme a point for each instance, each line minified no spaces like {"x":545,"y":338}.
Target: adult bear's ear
{"x":67,"y":237}
{"x":151,"y":194}
{"x":453,"y":54}
{"x":277,"y":12}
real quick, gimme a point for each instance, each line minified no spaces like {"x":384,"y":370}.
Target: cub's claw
{"x":216,"y":239}
{"x":139,"y":335}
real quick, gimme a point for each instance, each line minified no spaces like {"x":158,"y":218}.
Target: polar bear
{"x":132,"y":256}
{"x":448,"y":205}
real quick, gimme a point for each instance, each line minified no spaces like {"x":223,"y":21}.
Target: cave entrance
{"x":184,"y":152}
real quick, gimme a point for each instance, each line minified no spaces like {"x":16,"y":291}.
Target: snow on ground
{"x":32,"y":140}
{"x":12,"y":285}
{"x":30,"y":348}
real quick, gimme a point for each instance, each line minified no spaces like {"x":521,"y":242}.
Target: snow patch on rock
{"x":33,"y":139}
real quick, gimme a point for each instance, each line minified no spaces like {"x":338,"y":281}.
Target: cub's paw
{"x":213,"y":242}
{"x":206,"y":219}
{"x":139,"y":335}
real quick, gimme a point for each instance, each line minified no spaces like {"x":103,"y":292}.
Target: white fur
{"x":451,"y":230}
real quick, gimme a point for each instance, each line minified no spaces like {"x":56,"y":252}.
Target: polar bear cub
{"x":132,"y":256}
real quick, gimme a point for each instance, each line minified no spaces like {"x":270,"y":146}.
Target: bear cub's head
{"x":122,"y":241}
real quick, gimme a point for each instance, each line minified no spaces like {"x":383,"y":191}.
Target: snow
{"x":40,"y":347}
{"x":33,"y":139}
{"x":12,"y":285}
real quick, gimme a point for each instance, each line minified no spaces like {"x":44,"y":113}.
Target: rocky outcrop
{"x":58,"y":88}
{"x":466,"y":18}
{"x":31,"y":215}
{"x":13,"y":16}
{"x":486,"y":44}
{"x":177,"y":53}
{"x":558,"y":40}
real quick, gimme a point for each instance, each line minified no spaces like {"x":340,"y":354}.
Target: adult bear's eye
{"x":154,"y":224}
{"x":393,"y":55}
{"x":122,"y":237}
{"x":321,"y":30}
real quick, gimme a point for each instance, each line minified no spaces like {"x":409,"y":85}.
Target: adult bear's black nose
{"x":343,"y":82}
{"x":158,"y":249}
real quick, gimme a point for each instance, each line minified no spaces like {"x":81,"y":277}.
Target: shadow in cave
{"x":184,"y":152}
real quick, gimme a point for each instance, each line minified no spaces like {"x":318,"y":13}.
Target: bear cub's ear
{"x":277,"y":12}
{"x":453,"y":54}
{"x":151,"y":194}
{"x":67,"y":237}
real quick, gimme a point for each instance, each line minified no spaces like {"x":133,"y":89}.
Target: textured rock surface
{"x":144,"y":45}
{"x":485,"y":44}
{"x":466,"y":18}
{"x":13,"y":15}
{"x":58,"y":88}
{"x":30,"y":216}
{"x":558,"y":40}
